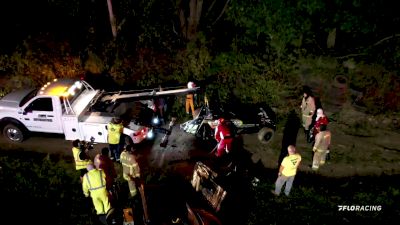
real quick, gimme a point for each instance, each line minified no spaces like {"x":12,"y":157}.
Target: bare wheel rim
{"x":268,"y":136}
{"x":14,"y":134}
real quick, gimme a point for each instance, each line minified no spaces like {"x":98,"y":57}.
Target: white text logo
{"x":359,"y":208}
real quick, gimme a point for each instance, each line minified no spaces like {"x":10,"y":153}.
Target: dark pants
{"x":115,"y":150}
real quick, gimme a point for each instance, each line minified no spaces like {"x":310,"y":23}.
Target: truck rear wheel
{"x":13,"y":133}
{"x":265,"y":135}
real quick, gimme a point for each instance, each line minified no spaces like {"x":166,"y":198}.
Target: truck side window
{"x":40,"y":104}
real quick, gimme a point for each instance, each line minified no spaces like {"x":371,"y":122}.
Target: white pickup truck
{"x":71,"y":107}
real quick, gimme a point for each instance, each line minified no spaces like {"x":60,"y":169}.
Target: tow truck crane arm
{"x":147,"y":93}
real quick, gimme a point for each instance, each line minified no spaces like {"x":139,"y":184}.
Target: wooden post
{"x":144,"y":204}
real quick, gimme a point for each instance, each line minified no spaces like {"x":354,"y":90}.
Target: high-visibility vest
{"x":80,"y":164}
{"x":130,"y":167}
{"x":94,"y":181}
{"x":114,"y":133}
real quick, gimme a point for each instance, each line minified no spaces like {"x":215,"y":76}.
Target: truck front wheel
{"x":265,"y":135}
{"x":13,"y":133}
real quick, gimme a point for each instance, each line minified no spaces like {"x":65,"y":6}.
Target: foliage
{"x":36,"y":62}
{"x":380,"y":87}
{"x":49,"y":188}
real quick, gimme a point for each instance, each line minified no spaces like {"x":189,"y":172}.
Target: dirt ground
{"x":371,"y":152}
{"x":356,"y":149}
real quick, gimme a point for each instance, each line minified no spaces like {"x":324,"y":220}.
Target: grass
{"x":47,"y":189}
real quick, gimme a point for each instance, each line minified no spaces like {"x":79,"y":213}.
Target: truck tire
{"x":13,"y":133}
{"x":265,"y":135}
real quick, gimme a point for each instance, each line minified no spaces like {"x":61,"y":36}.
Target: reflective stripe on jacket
{"x":93,"y":181}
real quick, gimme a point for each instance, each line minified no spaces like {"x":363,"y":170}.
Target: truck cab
{"x":61,"y":106}
{"x":77,"y":110}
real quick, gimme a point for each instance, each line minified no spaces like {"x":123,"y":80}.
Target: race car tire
{"x":265,"y":135}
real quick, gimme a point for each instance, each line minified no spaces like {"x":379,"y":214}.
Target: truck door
{"x":40,"y":115}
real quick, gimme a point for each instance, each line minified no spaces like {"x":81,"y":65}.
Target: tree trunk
{"x":112,"y":19}
{"x":189,"y":25}
{"x":330,"y":42}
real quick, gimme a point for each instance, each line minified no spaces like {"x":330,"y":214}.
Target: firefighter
{"x":190,"y":99}
{"x":319,"y":120}
{"x":224,"y":137}
{"x":307,"y":110}
{"x":115,"y":129}
{"x":82,"y":160}
{"x":321,"y":146}
{"x":287,"y":171}
{"x":94,"y":185}
{"x":103,"y":162}
{"x":131,"y":170}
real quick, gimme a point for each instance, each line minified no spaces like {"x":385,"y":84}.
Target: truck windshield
{"x":28,"y":97}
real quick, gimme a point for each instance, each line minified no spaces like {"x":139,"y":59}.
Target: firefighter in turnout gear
{"x":190,"y":99}
{"x":81,"y":158}
{"x":131,"y":170}
{"x":224,"y":137}
{"x":115,"y":129}
{"x":321,"y":146}
{"x":94,"y":185}
{"x":307,"y":110}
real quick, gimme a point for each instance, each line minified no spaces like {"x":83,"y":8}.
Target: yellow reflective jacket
{"x":129,"y":165}
{"x":114,"y":132}
{"x":94,"y":181}
{"x":80,"y":164}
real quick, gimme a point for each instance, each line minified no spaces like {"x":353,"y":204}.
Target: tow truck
{"x":77,"y":110}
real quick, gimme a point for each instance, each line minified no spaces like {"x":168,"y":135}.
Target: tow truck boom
{"x":145,"y":93}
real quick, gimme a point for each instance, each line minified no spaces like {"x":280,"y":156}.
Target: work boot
{"x":274,"y":193}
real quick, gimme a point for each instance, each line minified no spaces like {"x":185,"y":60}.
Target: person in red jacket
{"x":321,"y":119}
{"x":103,"y":162}
{"x":224,"y":137}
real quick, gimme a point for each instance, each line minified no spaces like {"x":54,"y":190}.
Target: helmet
{"x":191,"y":84}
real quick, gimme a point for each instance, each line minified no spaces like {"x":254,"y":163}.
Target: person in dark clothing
{"x":289,"y":133}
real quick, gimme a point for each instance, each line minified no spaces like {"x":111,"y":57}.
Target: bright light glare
{"x":156,"y":120}
{"x":78,"y":84}
{"x":150,"y":134}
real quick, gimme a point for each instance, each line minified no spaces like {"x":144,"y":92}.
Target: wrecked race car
{"x":243,"y":119}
